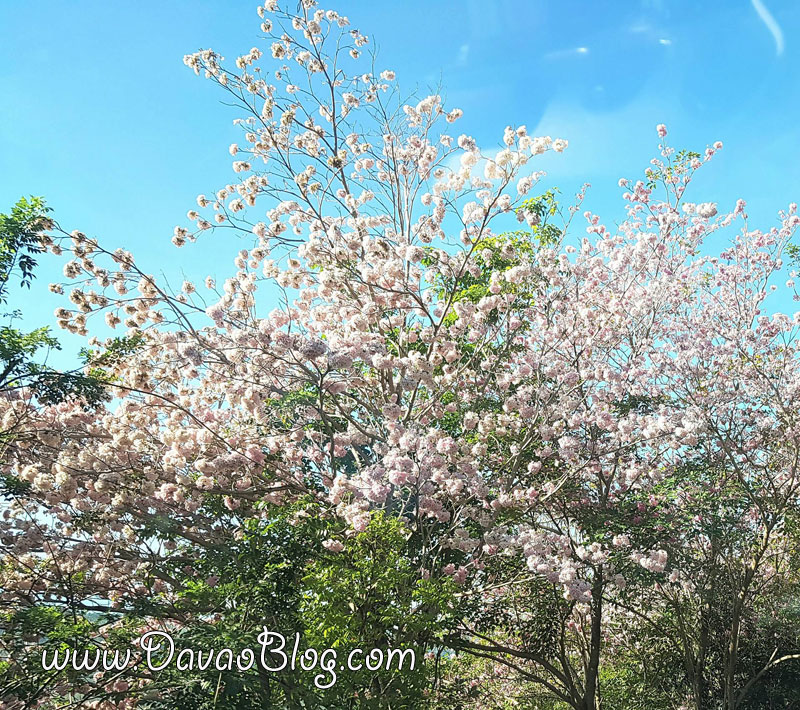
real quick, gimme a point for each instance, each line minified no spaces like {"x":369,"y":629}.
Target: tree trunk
{"x":591,"y":699}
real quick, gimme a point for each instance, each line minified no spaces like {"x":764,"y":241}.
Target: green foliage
{"x":114,"y":350}
{"x":20,"y":241}
{"x":50,"y":386}
{"x":680,"y":165}
{"x":544,"y":207}
{"x":277,"y":575}
{"x":507,"y":250}
{"x":793,"y":250}
{"x":645,"y":676}
{"x":28,"y":632}
{"x":370,"y":596}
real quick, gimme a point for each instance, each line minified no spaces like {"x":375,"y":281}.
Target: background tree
{"x":20,"y":243}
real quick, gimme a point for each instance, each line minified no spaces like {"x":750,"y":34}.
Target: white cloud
{"x":600,"y":141}
{"x":771,"y":23}
{"x":564,"y":53}
{"x":649,"y":32}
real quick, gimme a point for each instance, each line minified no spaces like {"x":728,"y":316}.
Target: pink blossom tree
{"x":518,"y":401}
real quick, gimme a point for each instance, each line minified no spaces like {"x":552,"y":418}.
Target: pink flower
{"x":332,"y":545}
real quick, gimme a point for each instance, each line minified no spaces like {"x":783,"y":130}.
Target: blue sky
{"x":100,"y":116}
